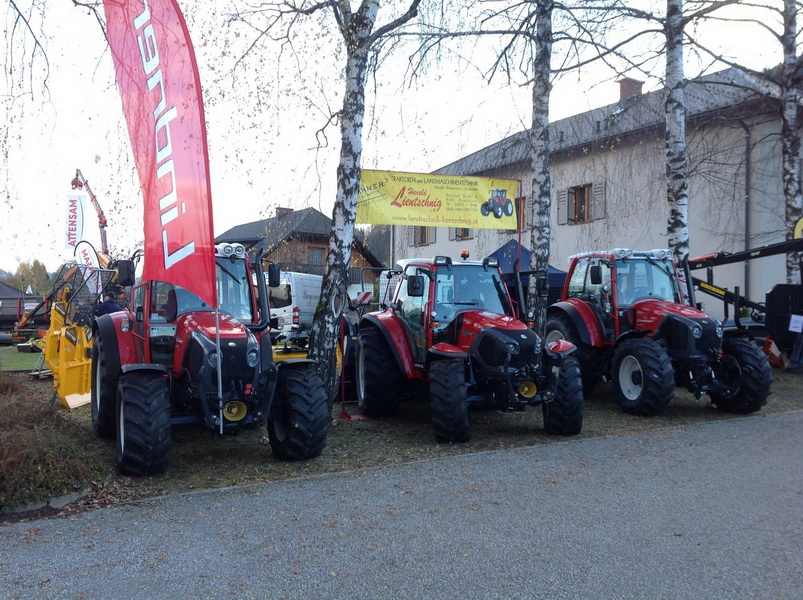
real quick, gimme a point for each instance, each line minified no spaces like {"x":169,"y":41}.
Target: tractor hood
{"x":473,"y":321}
{"x":204,"y":323}
{"x":651,"y":311}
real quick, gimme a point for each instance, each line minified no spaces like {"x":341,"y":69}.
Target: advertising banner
{"x":157,"y":76}
{"x":74,"y":225}
{"x":418,"y":199}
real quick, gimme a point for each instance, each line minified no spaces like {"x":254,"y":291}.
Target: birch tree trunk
{"x":357,"y":29}
{"x":539,"y":224}
{"x":677,"y":193}
{"x":324,"y":337}
{"x":790,"y":136}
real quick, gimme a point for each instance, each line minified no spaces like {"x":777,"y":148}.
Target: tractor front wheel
{"x":103,"y":392}
{"x":643,"y":377}
{"x":563,"y":415}
{"x":743,"y":357}
{"x":447,"y":397}
{"x":485,"y":209}
{"x":144,"y":437}
{"x":379,"y":381}
{"x":299,"y":416}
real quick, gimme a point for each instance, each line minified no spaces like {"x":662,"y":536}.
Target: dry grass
{"x":47,"y":451}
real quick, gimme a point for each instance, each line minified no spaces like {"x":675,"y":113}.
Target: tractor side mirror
{"x":596,"y":275}
{"x":415,"y":286}
{"x":139,"y":315}
{"x":542,"y":283}
{"x":125,"y":273}
{"x":274,"y":271}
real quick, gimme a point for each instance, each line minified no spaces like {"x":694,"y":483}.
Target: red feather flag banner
{"x":157,"y":76}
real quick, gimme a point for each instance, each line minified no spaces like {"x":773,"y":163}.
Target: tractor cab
{"x":622,"y":287}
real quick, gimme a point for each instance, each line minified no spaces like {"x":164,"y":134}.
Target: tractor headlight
{"x":252,"y":357}
{"x":512,"y":347}
{"x":697,"y":331}
{"x":719,"y":329}
{"x":213,"y":359}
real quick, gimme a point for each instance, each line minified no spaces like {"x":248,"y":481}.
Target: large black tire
{"x":379,"y":380}
{"x":590,"y":358}
{"x":485,"y":209}
{"x":743,"y":356}
{"x":447,"y":398}
{"x":563,"y":415}
{"x":643,"y":378}
{"x":498,"y":212}
{"x":103,"y":394}
{"x":144,"y":437}
{"x":299,"y":416}
{"x":509,"y":208}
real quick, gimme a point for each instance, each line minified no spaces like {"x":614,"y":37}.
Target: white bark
{"x":677,"y":194}
{"x":539,"y":224}
{"x":790,"y":135}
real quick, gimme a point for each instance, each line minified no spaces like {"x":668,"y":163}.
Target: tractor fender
{"x":584,"y":318}
{"x":443,"y":350}
{"x":119,"y":347}
{"x":560,"y":348}
{"x":291,"y":362}
{"x":396,"y":337}
{"x":143,"y":367}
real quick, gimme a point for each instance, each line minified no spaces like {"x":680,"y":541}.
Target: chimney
{"x":280,"y":212}
{"x":629,"y":87}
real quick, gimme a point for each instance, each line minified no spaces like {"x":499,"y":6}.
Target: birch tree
{"x":360,"y":33}
{"x":780,"y":21}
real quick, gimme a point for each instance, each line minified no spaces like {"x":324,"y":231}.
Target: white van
{"x":294,"y":300}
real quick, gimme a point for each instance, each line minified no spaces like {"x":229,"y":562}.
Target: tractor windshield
{"x":168,"y":301}
{"x":637,"y":279}
{"x":463,"y":287}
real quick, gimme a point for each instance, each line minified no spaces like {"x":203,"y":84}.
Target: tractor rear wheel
{"x":643,"y":377}
{"x":144,"y":438}
{"x":509,"y":208}
{"x":560,"y":327}
{"x":743,"y":357}
{"x":103,"y":393}
{"x":379,"y":381}
{"x":447,"y":397}
{"x":563,"y":415}
{"x":299,"y":416}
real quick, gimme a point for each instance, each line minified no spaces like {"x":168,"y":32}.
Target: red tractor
{"x":455,"y":328}
{"x":171,"y":360}
{"x":498,"y":204}
{"x":628,"y":314}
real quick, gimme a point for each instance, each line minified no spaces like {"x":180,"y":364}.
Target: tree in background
{"x":359,"y":32}
{"x":784,"y":84}
{"x":30,"y":274}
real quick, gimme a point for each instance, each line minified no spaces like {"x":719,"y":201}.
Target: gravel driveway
{"x":705,"y":511}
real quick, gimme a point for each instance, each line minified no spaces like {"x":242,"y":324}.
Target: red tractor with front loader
{"x":454,"y":330}
{"x":171,"y":360}
{"x":631,"y":316}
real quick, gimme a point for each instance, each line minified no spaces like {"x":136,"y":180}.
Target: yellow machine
{"x":67,"y":351}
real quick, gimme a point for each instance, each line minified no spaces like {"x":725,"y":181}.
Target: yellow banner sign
{"x":392,"y":198}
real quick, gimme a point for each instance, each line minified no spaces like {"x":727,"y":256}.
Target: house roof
{"x":710,"y":94}
{"x":6,"y":291}
{"x":268,"y":234}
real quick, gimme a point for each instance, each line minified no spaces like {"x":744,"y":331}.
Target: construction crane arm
{"x":80,"y":183}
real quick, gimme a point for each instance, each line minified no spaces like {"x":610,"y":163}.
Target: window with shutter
{"x":598,"y":200}
{"x":563,"y":202}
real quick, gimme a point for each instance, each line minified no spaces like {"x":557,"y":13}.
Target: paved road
{"x":701,"y":512}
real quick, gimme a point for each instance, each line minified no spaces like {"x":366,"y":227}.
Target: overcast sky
{"x":261,"y":138}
